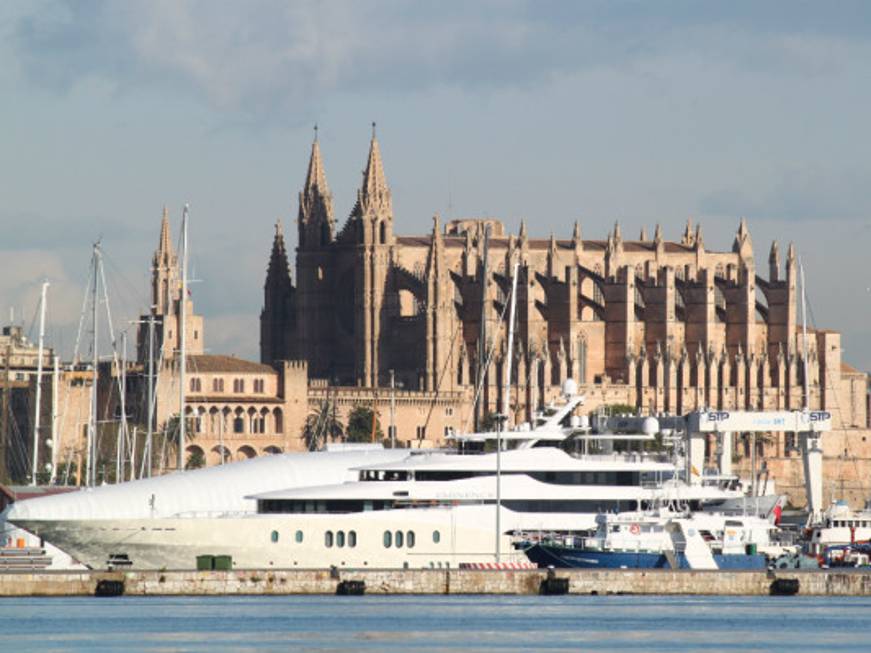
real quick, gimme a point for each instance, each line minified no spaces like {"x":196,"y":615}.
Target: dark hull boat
{"x":550,"y":555}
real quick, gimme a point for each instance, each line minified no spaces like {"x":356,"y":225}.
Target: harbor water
{"x":436,"y":623}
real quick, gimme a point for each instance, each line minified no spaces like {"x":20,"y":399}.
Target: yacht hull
{"x":570,"y":558}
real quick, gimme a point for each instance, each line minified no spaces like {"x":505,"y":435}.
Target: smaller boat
{"x":662,"y":539}
{"x":840,"y":526}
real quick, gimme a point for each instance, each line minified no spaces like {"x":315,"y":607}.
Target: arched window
{"x":436,"y":537}
{"x":274,"y":536}
{"x":340,"y":539}
{"x":409,"y":539}
{"x":352,"y":539}
{"x":382,"y":232}
{"x":398,"y":539}
{"x":279,"y":420}
{"x":388,"y":539}
{"x":298,"y":537}
{"x":328,"y":539}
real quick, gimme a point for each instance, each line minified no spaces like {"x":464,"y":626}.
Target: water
{"x":440,"y":623}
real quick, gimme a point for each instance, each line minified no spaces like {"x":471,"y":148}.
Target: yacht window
{"x":409,"y":539}
{"x":340,"y":539}
{"x":274,"y":536}
{"x":352,"y":539}
{"x":388,"y":539}
{"x":398,"y":538}
{"x":328,"y":539}
{"x":436,"y":537}
{"x":298,"y":536}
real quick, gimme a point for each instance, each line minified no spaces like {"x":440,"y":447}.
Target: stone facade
{"x":664,"y":326}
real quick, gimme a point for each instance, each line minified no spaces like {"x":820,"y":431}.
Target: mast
{"x":91,"y":443}
{"x":55,"y":384}
{"x":147,"y":455}
{"x":502,"y":418}
{"x":183,"y":337}
{"x":38,"y":402}
{"x":121,"y":444}
{"x":392,"y":410}
{"x":482,"y":333}
{"x":804,"y":335}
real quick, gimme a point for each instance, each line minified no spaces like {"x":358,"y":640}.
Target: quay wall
{"x":435,"y":581}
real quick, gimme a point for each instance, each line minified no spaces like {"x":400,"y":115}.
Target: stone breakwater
{"x":276,"y":582}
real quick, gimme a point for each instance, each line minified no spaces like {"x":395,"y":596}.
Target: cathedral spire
{"x":374,"y":192}
{"x":278,"y":270}
{"x":316,"y":179}
{"x":315,"y":221}
{"x":164,"y":246}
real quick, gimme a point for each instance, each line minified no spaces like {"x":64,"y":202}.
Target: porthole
{"x":340,"y":539}
{"x":388,"y":539}
{"x":436,"y":537}
{"x":298,"y":537}
{"x":409,"y":539}
{"x":398,"y":539}
{"x":328,"y":539}
{"x":274,"y":536}
{"x":352,"y":539}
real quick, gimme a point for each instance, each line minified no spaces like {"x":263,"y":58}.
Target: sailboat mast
{"x":804,"y":335}
{"x":502,"y":419}
{"x":147,"y":457}
{"x":182,"y":335}
{"x":90,"y":459}
{"x":38,"y":401}
{"x":55,"y":384}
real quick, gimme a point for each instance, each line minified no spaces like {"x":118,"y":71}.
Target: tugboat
{"x":663,"y":539}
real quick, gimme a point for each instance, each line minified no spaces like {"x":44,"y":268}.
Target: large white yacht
{"x":398,"y":508}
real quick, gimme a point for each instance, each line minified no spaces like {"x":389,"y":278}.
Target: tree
{"x":361,"y":423}
{"x":322,"y":425}
{"x":196,"y":459}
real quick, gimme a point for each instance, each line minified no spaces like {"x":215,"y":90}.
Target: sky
{"x":641,"y":112}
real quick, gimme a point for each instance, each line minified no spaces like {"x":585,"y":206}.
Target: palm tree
{"x":322,"y":425}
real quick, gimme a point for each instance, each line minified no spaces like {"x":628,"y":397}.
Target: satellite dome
{"x":570,"y":388}
{"x":650,"y":426}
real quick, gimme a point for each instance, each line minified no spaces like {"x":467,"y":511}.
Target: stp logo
{"x":717,"y":416}
{"x":820,"y":416}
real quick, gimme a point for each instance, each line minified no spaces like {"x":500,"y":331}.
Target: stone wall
{"x":278,"y":582}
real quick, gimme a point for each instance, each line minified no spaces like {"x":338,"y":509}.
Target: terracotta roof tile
{"x":207,"y":363}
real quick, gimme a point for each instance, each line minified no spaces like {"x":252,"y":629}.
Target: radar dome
{"x":650,"y":426}
{"x":570,"y":388}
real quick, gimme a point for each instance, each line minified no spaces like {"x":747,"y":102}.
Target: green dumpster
{"x":223,"y":563}
{"x":751,"y":549}
{"x":205,"y":562}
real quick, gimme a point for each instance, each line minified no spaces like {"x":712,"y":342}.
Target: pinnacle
{"x":576,"y":233}
{"x":522,"y":234}
{"x":774,"y":254}
{"x":617,"y":234}
{"x":790,"y":253}
{"x":643,"y":235}
{"x":164,"y":246}
{"x":374,"y":181}
{"x":699,"y":241}
{"x":316,"y":179}
{"x":657,"y":233}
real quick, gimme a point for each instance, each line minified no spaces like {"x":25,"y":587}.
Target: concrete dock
{"x":435,"y":581}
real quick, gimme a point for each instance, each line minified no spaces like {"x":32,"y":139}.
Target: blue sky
{"x":639,"y":111}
